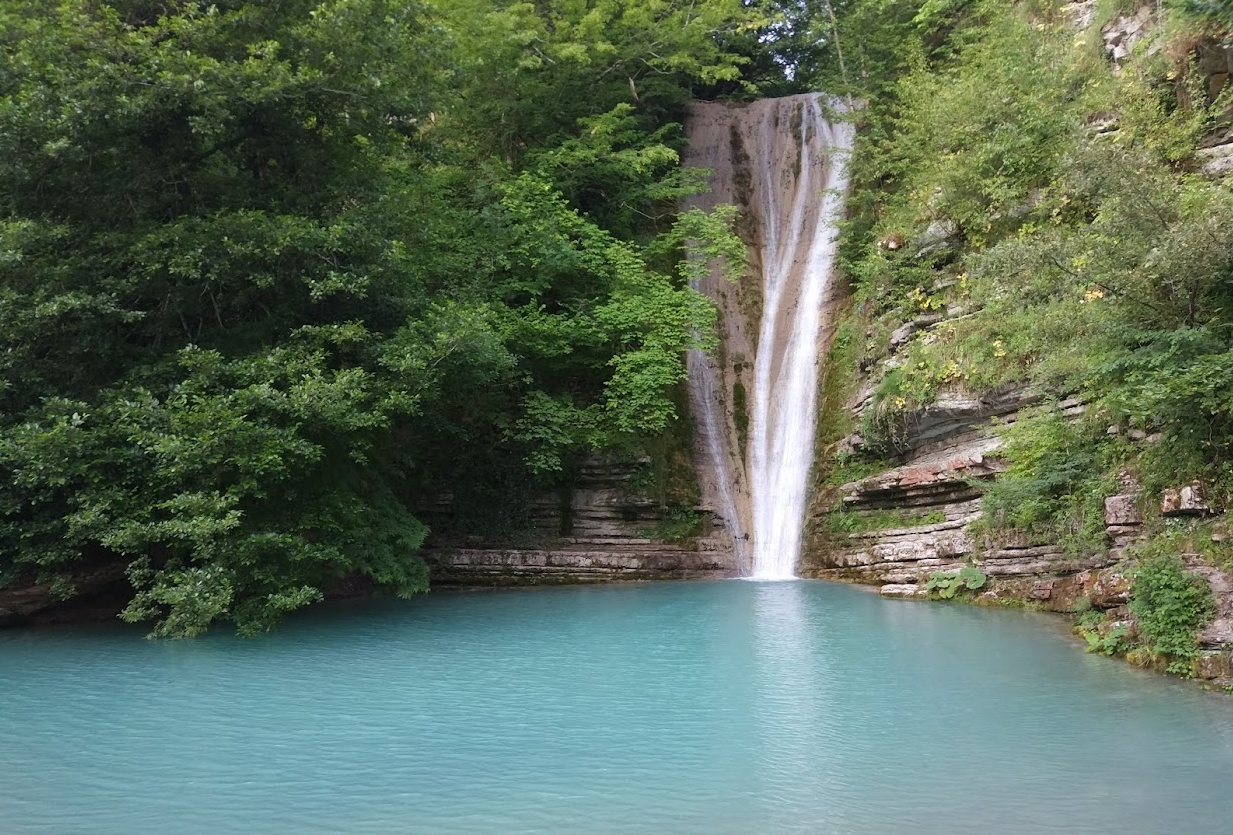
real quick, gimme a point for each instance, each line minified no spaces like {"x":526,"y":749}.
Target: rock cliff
{"x":919,"y":515}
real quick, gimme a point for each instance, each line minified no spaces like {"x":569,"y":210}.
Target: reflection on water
{"x":729,"y":708}
{"x":791,"y":711}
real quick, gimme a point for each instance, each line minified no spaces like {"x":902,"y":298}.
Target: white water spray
{"x":784,"y":163}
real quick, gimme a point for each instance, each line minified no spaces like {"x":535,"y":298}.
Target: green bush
{"x":1102,"y":636}
{"x":680,"y":524}
{"x":1055,"y":484}
{"x":740,"y":415}
{"x":1170,"y":606}
{"x":1218,"y":11}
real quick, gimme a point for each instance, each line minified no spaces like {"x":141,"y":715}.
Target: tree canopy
{"x":271,"y":271}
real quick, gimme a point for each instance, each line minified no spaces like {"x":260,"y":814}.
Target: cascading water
{"x":796,"y":269}
{"x":706,"y":403}
{"x":783,"y":162}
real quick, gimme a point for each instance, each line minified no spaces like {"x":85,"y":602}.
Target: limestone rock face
{"x":1214,"y":666}
{"x":1123,"y":34}
{"x":1214,"y":61}
{"x":1217,"y":161}
{"x":952,"y":448}
{"x":1218,"y":633}
{"x":599,"y":532}
{"x":102,"y":591}
{"x":906,"y":331}
{"x":940,"y":235}
{"x":575,"y":562}
{"x":1082,"y":13}
{"x":1109,"y":589}
{"x":902,"y":590}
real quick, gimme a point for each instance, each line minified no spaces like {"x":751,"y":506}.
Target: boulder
{"x":1110,"y":588}
{"x":939,"y":236}
{"x":1213,"y":665}
{"x":1217,"y":633}
{"x":1213,"y":58}
{"x":1184,"y":501}
{"x":1215,"y":162}
{"x":1121,"y":35}
{"x":1082,"y":13}
{"x":1042,"y":589}
{"x":900,"y":336}
{"x":1121,"y":510}
{"x":1220,"y":531}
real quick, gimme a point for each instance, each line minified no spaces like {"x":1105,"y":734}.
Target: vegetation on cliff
{"x":1039,"y":192}
{"x":1014,"y":175}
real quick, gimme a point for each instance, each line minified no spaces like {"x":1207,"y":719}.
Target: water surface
{"x":727,"y":708}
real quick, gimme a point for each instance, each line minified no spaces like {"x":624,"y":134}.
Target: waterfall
{"x":783,"y":162}
{"x":706,"y":403}
{"x":796,"y":270}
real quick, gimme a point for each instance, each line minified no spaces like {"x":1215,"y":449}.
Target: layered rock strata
{"x":601,"y":530}
{"x":952,"y":448}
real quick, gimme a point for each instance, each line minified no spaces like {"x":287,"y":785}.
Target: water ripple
{"x":717,"y":708}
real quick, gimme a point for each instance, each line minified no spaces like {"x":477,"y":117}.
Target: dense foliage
{"x":272,"y":272}
{"x":1054,"y":204}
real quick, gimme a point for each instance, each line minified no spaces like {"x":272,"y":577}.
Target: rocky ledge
{"x":602,"y":530}
{"x":952,"y":448}
{"x":576,"y":561}
{"x":102,"y":591}
{"x":938,"y":483}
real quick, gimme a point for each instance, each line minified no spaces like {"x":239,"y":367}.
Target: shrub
{"x":946,"y":584}
{"x":1218,"y":11}
{"x":1056,"y":482}
{"x":1102,"y":636}
{"x":679,"y":524}
{"x":1170,"y":606}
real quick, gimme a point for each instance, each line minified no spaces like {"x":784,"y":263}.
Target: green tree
{"x":530,"y":71}
{"x":262,"y":284}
